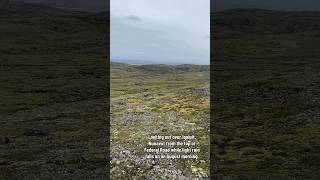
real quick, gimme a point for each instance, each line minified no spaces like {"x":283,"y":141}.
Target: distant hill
{"x":265,"y":35}
{"x":265,"y":21}
{"x":95,"y":5}
{"x":283,"y":5}
{"x":40,"y":28}
{"x":15,"y":7}
{"x":157,"y":69}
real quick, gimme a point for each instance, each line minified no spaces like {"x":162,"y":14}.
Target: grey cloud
{"x":168,"y":31}
{"x":133,"y":18}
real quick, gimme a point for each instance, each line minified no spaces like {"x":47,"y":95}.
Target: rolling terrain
{"x":158,"y":100}
{"x":53,"y":93}
{"x":265,"y":108}
{"x":266,"y":91}
{"x":93,"y":5}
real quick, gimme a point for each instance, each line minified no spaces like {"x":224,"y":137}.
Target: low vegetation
{"x":158,"y":100}
{"x":53,"y":93}
{"x":265,"y":82}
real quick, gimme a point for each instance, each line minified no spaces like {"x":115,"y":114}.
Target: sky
{"x":168,"y":31}
{"x":160,"y":31}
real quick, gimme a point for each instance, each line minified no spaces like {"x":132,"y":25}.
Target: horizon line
{"x":106,"y":9}
{"x":172,"y":64}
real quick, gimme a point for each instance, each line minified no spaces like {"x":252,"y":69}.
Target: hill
{"x":53,"y":93}
{"x":93,"y":5}
{"x":281,"y":5}
{"x":262,"y":35}
{"x":265,"y":91}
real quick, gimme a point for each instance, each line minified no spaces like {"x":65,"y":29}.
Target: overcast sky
{"x":160,"y":31}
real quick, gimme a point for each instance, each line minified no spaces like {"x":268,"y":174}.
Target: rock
{"x":164,"y":129}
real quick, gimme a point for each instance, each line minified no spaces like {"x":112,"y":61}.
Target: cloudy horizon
{"x":160,"y":31}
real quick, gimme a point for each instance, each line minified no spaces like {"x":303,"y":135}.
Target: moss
{"x":156,"y":106}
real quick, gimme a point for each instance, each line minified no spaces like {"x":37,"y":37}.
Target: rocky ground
{"x":158,"y":99}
